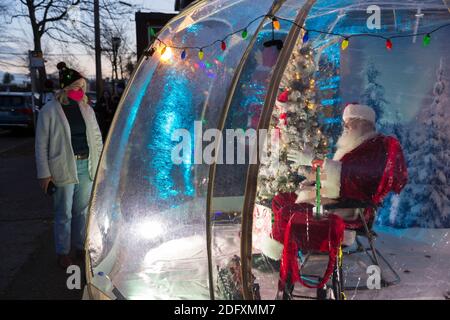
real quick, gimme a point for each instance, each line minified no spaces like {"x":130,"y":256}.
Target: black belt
{"x":82,"y":156}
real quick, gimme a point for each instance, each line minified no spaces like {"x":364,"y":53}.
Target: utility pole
{"x":37,"y":68}
{"x":116,"y":41}
{"x":98,"y":52}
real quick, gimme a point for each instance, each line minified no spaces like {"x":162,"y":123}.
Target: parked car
{"x":16,"y":110}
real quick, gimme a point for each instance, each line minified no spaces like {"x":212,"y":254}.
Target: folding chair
{"x":363,"y":228}
{"x":324,"y":236}
{"x":318,"y":234}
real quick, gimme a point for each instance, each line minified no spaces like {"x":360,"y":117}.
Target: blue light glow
{"x":329,"y":102}
{"x":172,"y":114}
{"x":194,"y":28}
{"x":138,"y":94}
{"x":329,"y":87}
{"x":332,"y":120}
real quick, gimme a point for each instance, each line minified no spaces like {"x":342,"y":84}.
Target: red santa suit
{"x":365,"y":172}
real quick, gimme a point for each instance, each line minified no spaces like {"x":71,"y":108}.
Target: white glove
{"x":301,"y":158}
{"x":306,"y":194}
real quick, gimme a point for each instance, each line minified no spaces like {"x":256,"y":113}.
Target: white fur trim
{"x":271,"y":248}
{"x":359,"y":111}
{"x":341,"y":152}
{"x":332,"y":184}
{"x":281,"y":105}
{"x":306,"y":194}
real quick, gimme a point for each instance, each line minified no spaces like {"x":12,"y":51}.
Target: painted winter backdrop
{"x":408,"y":88}
{"x":410,"y":92}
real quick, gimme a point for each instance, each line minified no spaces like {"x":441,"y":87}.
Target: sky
{"x":20,"y":30}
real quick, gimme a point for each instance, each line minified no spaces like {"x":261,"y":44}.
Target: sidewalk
{"x":28,"y":268}
{"x":41,"y":278}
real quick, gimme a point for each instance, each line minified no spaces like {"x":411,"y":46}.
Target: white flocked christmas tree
{"x":296,"y":121}
{"x":425,"y":202}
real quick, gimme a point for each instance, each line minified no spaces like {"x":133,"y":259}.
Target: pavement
{"x":28,"y":268}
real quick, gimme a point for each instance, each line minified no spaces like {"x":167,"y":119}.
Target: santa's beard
{"x":349,"y":140}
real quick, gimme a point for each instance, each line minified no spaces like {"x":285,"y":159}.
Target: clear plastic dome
{"x":165,"y":229}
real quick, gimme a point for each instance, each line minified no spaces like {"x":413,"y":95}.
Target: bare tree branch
{"x":71,"y":22}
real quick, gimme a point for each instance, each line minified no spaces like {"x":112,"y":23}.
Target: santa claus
{"x":365,"y":168}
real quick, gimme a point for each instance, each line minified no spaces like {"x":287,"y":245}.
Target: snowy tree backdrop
{"x":412,"y":101}
{"x":425,"y":201}
{"x":374,"y":92}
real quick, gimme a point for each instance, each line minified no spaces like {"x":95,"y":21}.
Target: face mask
{"x":76,"y":95}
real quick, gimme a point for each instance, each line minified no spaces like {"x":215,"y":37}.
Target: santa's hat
{"x":283,"y":98}
{"x":359,"y":111}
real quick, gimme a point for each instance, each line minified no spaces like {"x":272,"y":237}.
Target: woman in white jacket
{"x":68,"y":148}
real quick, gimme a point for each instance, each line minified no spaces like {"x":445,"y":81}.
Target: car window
{"x":18,"y":102}
{"x":4,"y":101}
{"x":15,"y":101}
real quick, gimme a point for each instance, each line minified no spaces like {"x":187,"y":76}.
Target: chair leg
{"x":305,"y":259}
{"x":360,"y":246}
{"x":371,"y":240}
{"x":384,"y":282}
{"x":374,"y":255}
{"x":287,"y":290}
{"x":337,"y":282}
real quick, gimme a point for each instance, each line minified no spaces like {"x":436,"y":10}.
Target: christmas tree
{"x":295,"y":119}
{"x":373,"y":95}
{"x":425,"y":202}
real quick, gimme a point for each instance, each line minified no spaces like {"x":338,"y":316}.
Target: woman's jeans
{"x":70,"y":203}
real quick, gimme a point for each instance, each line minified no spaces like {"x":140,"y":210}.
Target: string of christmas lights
{"x":279,"y":43}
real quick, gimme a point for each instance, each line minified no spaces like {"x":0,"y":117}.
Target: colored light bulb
{"x":345,"y":44}
{"x":167,"y":54}
{"x":306,"y":37}
{"x":183,"y":55}
{"x":389,"y":44}
{"x":276,"y":24}
{"x":426,"y":40}
{"x":201,"y":54}
{"x":223,"y":45}
{"x":244,"y":34}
